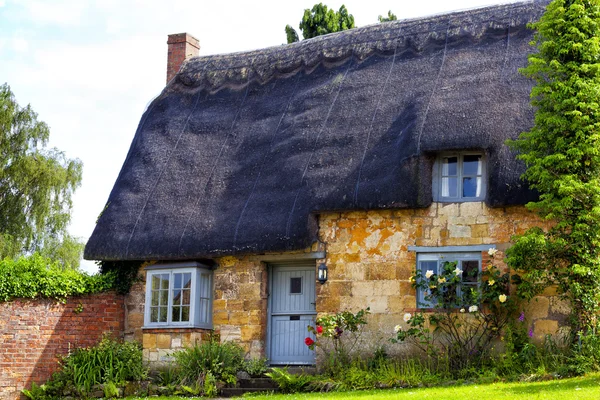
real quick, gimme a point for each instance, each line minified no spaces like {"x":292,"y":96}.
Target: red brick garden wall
{"x":34,"y":332}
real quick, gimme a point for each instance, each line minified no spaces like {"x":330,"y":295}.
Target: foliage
{"x":465,"y":320}
{"x":35,"y":276}
{"x":288,"y":382}
{"x":110,"y":362}
{"x":562,"y":154}
{"x":256,"y":366}
{"x":221,"y":360}
{"x":320,"y":21}
{"x":390,"y":17}
{"x":565,"y":389}
{"x":291,"y":34}
{"x":337,"y":335}
{"x":36,"y":392}
{"x":36,"y":184}
{"x":125,"y":273}
{"x":585,"y":355}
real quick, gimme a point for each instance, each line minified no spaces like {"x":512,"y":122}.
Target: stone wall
{"x":370,"y":264}
{"x":33,"y":333}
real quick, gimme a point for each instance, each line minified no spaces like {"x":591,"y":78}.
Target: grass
{"x":581,"y":388}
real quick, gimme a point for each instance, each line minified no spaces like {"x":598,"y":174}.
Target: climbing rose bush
{"x":449,"y":330}
{"x":337,"y":335}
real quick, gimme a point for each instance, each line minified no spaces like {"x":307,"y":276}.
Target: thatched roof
{"x":241,"y":152}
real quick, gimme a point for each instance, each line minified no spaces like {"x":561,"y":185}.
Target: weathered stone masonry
{"x":369,"y":266}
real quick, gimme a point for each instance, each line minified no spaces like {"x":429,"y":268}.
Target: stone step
{"x":257,"y":383}
{"x":239,"y":391}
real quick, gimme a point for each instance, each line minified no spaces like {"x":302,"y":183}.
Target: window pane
{"x":472,"y":165}
{"x":203,"y":311}
{"x":450,"y":187}
{"x":471,"y":187}
{"x":428,"y":265}
{"x":296,"y":285}
{"x":155,"y":282}
{"x":470,"y":271}
{"x":153,"y":314}
{"x":449,"y":166}
{"x":176,"y":296}
{"x":185,"y":297}
{"x":177,"y":281}
{"x":154,"y":299}
{"x":164,"y":297}
{"x":162,"y":314}
{"x":187,"y":280}
{"x":164,"y":281}
{"x":185,"y":314}
{"x":175,"y":316}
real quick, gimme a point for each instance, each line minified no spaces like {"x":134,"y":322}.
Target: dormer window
{"x":459,"y":177}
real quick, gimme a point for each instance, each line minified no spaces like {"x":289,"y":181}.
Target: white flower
{"x":458,"y":271}
{"x":428,"y":274}
{"x":502,"y":298}
{"x":473,"y":309}
{"x":462,"y":310}
{"x":492,"y":252}
{"x":397,"y":328}
{"x":441,"y":280}
{"x":407,"y":317}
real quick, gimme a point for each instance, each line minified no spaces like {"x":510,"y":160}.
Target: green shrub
{"x":290,"y":383}
{"x":109,"y":361}
{"x":222,"y":360}
{"x":585,"y":355}
{"x":256,"y":366}
{"x":35,"y":276}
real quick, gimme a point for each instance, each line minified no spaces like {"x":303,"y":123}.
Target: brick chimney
{"x":181,"y":46}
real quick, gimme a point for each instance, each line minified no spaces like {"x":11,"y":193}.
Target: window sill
{"x":435,"y":310}
{"x":173,"y":329}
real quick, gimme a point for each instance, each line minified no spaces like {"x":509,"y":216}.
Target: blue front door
{"x":292,"y":305}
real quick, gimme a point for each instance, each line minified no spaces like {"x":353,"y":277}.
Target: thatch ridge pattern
{"x":405,"y":36}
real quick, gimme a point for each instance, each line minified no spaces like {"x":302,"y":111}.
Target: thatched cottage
{"x":358,"y":154}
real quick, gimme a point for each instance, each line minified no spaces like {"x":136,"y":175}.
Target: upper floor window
{"x":178,"y":295}
{"x":459,"y":177}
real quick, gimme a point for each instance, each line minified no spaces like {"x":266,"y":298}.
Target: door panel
{"x":292,"y":310}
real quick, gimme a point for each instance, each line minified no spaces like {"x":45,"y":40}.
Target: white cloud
{"x":20,"y":44}
{"x":62,"y":12}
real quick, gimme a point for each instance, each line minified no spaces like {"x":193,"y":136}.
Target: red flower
{"x":319,"y":329}
{"x":308,"y":341}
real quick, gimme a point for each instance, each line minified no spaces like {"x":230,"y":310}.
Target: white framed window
{"x":459,"y":177}
{"x":178,"y":295}
{"x":469,"y":263}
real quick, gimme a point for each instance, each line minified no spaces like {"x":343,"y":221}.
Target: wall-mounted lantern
{"x":322,"y":277}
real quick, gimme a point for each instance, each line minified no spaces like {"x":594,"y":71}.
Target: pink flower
{"x":308,"y":341}
{"x":319,"y":329}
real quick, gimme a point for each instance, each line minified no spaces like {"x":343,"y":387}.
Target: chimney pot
{"x":181,"y":46}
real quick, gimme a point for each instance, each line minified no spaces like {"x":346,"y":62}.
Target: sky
{"x":89,"y":68}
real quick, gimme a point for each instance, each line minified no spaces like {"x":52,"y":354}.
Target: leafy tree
{"x":36,"y":184}
{"x":321,"y":21}
{"x":390,"y":17}
{"x":562,"y":154}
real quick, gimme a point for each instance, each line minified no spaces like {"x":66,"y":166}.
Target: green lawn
{"x":582,"y":388}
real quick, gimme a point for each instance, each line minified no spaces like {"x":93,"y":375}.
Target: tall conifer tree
{"x":562,"y":154}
